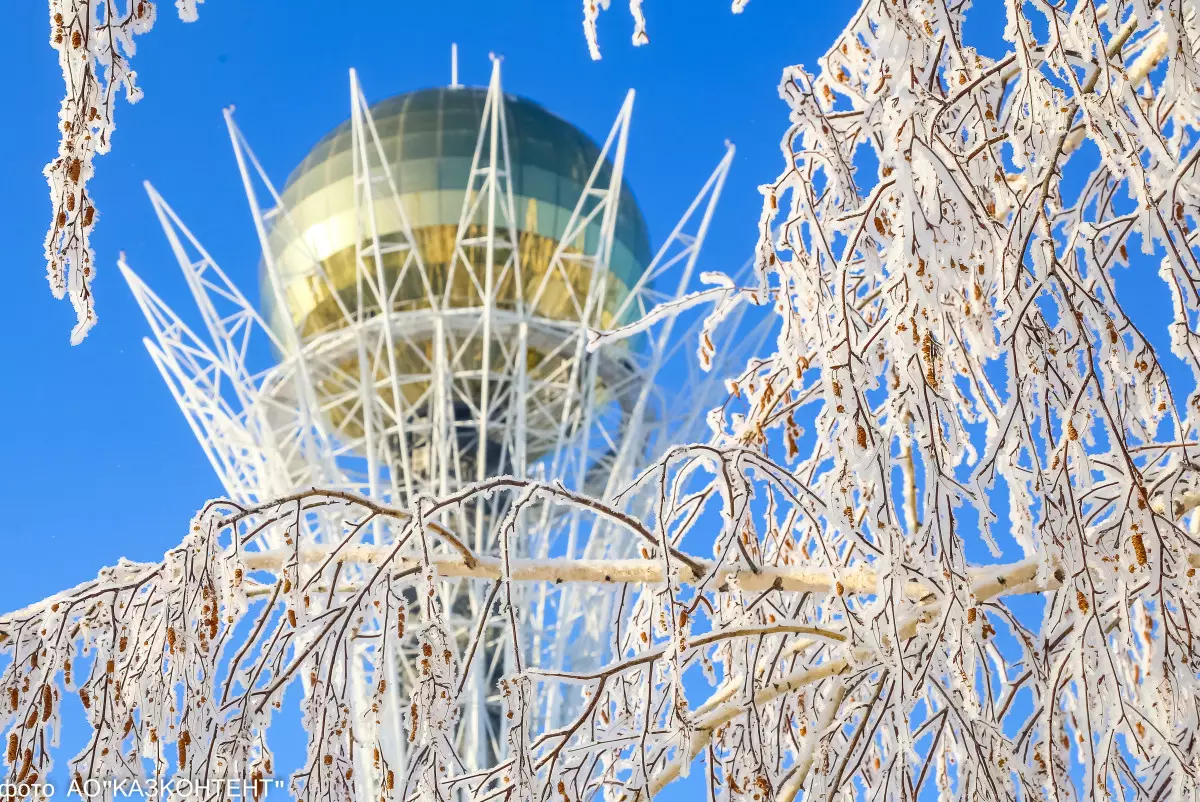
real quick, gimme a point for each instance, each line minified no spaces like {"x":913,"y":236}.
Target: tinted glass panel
{"x":551,"y":158}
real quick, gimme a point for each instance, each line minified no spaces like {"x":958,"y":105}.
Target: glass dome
{"x":428,"y":138}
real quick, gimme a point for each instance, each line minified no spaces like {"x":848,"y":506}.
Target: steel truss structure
{"x":590,"y":424}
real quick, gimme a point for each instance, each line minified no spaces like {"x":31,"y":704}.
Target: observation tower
{"x":432,"y":274}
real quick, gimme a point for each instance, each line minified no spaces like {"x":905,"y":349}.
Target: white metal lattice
{"x":595,"y":421}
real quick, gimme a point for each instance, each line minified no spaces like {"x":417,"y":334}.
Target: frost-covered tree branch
{"x":942,"y":247}
{"x":95,"y":41}
{"x":139,"y":638}
{"x":591,"y":13}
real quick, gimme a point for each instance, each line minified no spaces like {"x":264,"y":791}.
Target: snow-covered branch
{"x":128,"y":643}
{"x":94,"y":40}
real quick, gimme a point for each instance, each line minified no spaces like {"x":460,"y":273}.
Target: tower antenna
{"x":454,"y":65}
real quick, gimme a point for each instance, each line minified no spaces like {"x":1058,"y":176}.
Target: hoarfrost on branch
{"x":955,"y":375}
{"x":94,"y":40}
